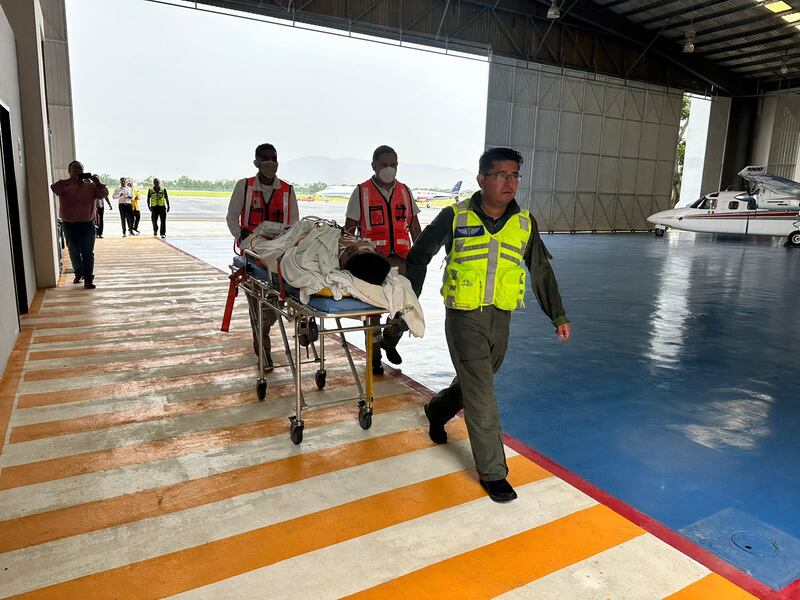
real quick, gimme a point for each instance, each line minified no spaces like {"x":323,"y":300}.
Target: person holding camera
{"x":77,"y":209}
{"x":124,"y":197}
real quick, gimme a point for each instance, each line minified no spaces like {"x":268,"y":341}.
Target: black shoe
{"x":392,"y":355}
{"x":499,"y":491}
{"x":377,"y":369}
{"x":88,"y":285}
{"x":78,"y":278}
{"x":163,"y":236}
{"x":134,"y":233}
{"x":155,"y":233}
{"x":435,"y":428}
{"x":124,"y":234}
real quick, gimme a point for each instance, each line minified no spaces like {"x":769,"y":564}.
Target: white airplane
{"x":428,"y":195}
{"x":771,"y":207}
{"x":336,"y":191}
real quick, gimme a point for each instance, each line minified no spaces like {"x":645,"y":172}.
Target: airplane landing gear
{"x":794,"y":238}
{"x":659,"y":231}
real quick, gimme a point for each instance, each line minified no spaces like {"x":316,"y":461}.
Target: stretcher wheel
{"x":296,"y":432}
{"x":261,"y":389}
{"x":364,"y":415}
{"x":320,"y":378}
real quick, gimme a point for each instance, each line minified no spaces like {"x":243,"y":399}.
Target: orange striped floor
{"x":137,"y":462}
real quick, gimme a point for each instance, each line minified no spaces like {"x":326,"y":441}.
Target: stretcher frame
{"x":300,"y":315}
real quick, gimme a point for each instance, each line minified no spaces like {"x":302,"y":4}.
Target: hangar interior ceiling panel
{"x":740,"y":47}
{"x":599,"y":152}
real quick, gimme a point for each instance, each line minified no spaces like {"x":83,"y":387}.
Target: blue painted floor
{"x":677,"y":392}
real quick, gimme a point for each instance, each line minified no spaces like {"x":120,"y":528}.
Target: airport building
{"x":658,"y":459}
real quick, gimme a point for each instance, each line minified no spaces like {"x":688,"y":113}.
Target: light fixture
{"x":784,"y":69}
{"x":777,"y":7}
{"x":553,"y":12}
{"x":792,"y":18}
{"x":688,"y":45}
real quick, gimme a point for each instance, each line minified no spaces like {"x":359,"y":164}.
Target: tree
{"x":677,"y":177}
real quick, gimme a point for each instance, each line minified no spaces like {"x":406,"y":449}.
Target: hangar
{"x":590,"y":92}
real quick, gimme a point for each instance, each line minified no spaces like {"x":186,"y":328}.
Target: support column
{"x":27,"y":22}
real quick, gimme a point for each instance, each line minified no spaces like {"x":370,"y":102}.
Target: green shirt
{"x":440,"y":233}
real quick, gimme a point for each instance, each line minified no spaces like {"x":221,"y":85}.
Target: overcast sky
{"x":171,"y":91}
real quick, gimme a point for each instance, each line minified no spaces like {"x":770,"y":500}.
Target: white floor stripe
{"x":83,"y":380}
{"x":372,"y":559}
{"x":164,"y":429}
{"x":242,"y":382}
{"x":61,"y":560}
{"x":644,"y":568}
{"x":211,"y":344}
{"x":80,"y":489}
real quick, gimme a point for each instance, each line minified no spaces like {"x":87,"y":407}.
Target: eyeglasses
{"x":505,"y":177}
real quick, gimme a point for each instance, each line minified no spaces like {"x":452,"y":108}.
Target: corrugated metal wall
{"x":715,"y":145}
{"x":58,"y":86}
{"x":599,"y":152}
{"x":785,"y":141}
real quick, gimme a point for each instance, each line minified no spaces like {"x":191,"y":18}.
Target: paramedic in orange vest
{"x":256,"y":199}
{"x":384,"y":211}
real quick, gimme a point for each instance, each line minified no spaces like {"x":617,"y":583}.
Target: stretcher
{"x":308,"y":322}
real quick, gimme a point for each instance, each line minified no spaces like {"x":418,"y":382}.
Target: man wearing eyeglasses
{"x":488,"y":238}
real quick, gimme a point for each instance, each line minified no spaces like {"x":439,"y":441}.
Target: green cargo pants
{"x":477,"y":340}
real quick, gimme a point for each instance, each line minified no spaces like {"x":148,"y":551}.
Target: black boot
{"x":499,"y":491}
{"x":435,"y":428}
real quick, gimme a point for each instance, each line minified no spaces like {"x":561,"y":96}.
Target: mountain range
{"x":350,"y":171}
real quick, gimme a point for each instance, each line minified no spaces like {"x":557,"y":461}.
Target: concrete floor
{"x":138,"y":463}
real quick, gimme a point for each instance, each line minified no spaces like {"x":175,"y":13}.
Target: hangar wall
{"x":599,"y":152}
{"x":10,"y":101}
{"x":777,"y":142}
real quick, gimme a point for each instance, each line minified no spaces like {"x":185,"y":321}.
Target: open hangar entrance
{"x":591,"y":92}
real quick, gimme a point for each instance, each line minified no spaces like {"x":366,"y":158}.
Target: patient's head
{"x":369,"y":266}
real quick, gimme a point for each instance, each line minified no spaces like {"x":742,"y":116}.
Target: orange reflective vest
{"x":386,"y":223}
{"x":256,"y":211}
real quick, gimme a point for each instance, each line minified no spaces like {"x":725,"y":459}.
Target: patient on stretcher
{"x":315,"y":254}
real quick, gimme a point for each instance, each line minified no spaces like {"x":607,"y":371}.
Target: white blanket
{"x":309,"y":257}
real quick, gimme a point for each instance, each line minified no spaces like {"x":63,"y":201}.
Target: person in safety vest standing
{"x":384,"y":211}
{"x":489,"y":242}
{"x":158,"y":203}
{"x":254,"y":200}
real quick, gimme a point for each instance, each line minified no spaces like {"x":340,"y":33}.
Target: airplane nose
{"x":659,"y":217}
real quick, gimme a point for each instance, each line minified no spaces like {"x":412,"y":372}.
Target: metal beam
{"x":640,"y":9}
{"x":722,"y":13}
{"x":705,"y":52}
{"x":680,"y":11}
{"x":745,"y":56}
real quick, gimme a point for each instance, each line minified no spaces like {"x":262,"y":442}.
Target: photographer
{"x":77,"y":208}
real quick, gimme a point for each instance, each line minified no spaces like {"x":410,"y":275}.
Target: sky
{"x":172,"y":91}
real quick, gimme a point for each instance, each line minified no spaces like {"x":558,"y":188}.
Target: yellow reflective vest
{"x":486,"y":269}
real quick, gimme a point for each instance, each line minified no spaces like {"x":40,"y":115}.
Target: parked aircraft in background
{"x":428,"y":195}
{"x":771,"y":207}
{"x":336,"y":191}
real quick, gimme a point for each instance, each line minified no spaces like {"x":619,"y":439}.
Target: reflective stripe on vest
{"x":256,"y":211}
{"x":486,"y":269}
{"x":384,"y":222}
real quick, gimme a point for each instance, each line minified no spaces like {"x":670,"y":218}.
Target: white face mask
{"x":387,"y":174}
{"x":268,"y":168}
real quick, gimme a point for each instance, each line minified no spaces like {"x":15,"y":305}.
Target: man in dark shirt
{"x":77,"y":208}
{"x":482,"y":236}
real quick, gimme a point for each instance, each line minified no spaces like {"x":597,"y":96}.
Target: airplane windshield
{"x":697,"y":203}
{"x":708,"y":203}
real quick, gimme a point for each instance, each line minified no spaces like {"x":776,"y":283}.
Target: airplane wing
{"x":778,"y":185}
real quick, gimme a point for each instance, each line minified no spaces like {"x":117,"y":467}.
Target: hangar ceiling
{"x":741,"y":47}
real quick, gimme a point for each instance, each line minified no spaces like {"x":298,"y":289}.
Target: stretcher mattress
{"x":324,"y":304}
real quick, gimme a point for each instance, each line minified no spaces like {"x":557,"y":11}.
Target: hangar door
{"x":599,"y":152}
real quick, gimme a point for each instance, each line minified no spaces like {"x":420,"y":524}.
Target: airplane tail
{"x":456,"y":188}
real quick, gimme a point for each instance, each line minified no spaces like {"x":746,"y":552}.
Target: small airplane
{"x":770,"y":207}
{"x":428,"y":195}
{"x":336,"y":191}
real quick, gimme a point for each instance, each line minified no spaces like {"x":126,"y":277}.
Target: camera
{"x":85,"y":177}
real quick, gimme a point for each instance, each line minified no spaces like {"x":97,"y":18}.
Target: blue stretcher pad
{"x":324,"y":304}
